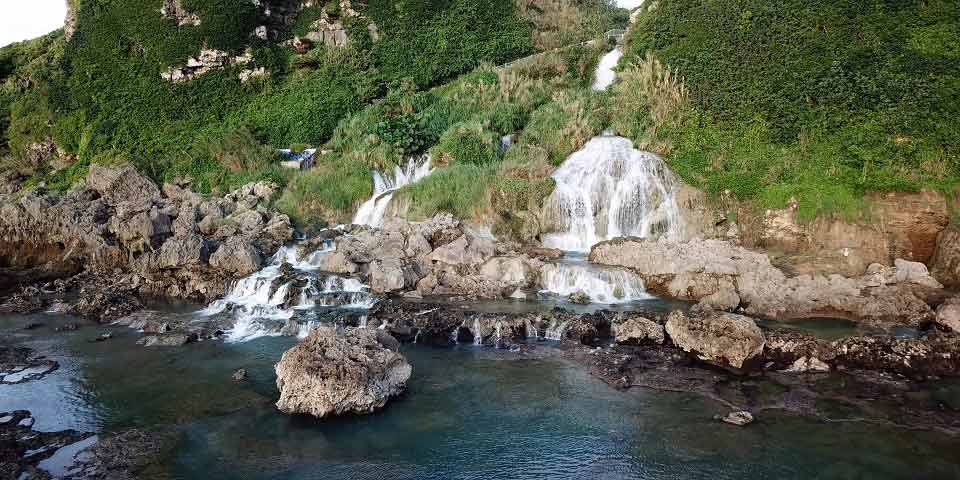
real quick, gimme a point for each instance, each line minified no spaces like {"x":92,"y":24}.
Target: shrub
{"x":467,"y":143}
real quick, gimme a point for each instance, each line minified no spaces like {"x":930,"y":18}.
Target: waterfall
{"x":602,"y":285}
{"x":477,"y":332}
{"x":606,"y":74}
{"x":532,"y":331}
{"x":261,"y":303}
{"x":609,"y":189}
{"x":555,"y":331}
{"x":372,"y":211}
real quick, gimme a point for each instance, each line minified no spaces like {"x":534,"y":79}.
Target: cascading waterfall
{"x":372,"y":211}
{"x":606,"y":74}
{"x":261,"y":303}
{"x":602,"y":285}
{"x":609,"y":189}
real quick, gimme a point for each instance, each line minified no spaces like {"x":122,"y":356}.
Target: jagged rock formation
{"x":331,"y":372}
{"x":120,"y":227}
{"x":714,"y":270}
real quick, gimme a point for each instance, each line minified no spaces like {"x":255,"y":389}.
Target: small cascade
{"x":555,"y":331}
{"x":606,"y":73}
{"x":477,"y":332}
{"x":602,"y":285}
{"x":372,"y":211}
{"x":532,"y":331}
{"x":609,"y":189}
{"x":262,"y":303}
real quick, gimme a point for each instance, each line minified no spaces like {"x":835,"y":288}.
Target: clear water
{"x":469,"y":413}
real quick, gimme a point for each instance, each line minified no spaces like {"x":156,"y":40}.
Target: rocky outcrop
{"x":723,"y":339}
{"x":206,"y":61}
{"x":120,"y":228}
{"x":720,"y":272}
{"x":173,"y":9}
{"x":70,"y":21}
{"x":945,"y":263}
{"x":797,"y":352}
{"x":440,"y":256}
{"x":335,"y":372}
{"x":22,"y":447}
{"x":914,"y":358}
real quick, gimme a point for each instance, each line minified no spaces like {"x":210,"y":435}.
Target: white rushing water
{"x":602,"y":285}
{"x":629,"y":4}
{"x":606,"y":70}
{"x":261,"y":303}
{"x":609,"y":189}
{"x":372,"y":211}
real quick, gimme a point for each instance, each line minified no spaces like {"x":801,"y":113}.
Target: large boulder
{"x":122,"y":185}
{"x":335,"y":372}
{"x":723,"y":339}
{"x":236,"y":257}
{"x":945,"y":264}
{"x":638,"y":331}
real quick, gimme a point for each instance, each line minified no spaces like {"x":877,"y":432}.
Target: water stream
{"x":606,"y":70}
{"x":263,"y":302}
{"x":372,"y":211}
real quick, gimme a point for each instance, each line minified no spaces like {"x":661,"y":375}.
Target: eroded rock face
{"x":719,"y":272}
{"x":338,"y":372}
{"x":902,"y":225}
{"x":948,"y":315}
{"x":945,"y":263}
{"x":723,"y":339}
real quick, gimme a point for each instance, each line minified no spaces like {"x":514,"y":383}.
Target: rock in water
{"x":723,"y":339}
{"x":740,"y":419}
{"x":334,"y":372}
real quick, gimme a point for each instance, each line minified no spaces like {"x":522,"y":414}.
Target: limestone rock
{"x":236,"y":257}
{"x":723,"y":339}
{"x":638,"y":331}
{"x":919,"y":358}
{"x":338,"y":372}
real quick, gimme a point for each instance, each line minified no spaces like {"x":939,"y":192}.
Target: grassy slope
{"x":822,"y":101}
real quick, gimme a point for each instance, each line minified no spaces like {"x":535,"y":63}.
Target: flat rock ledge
{"x":341,"y":371}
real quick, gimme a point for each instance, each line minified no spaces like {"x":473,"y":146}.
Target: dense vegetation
{"x":821,"y":101}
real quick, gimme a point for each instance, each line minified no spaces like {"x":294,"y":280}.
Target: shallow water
{"x":469,"y":413}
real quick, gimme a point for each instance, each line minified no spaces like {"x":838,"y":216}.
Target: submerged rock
{"x":335,"y":372}
{"x":723,"y":339}
{"x":740,"y":419}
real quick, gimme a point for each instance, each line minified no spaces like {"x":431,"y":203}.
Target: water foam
{"x":609,"y":189}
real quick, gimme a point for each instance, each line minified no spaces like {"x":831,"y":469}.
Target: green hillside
{"x":819,"y":100}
